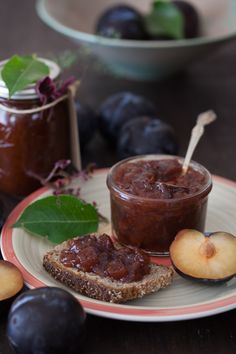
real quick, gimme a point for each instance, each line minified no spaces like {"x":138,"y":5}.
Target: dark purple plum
{"x":118,"y":109}
{"x":46,"y":320}
{"x":121,"y":21}
{"x":87,"y":121}
{"x":146,"y":135}
{"x":191,"y":18}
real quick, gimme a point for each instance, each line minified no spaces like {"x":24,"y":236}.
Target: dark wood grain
{"x":211,"y":83}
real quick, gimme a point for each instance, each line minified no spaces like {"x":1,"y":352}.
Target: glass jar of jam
{"x":151,"y":200}
{"x":30,"y":143}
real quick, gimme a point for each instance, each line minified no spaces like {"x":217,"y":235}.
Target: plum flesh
{"x":11,"y":280}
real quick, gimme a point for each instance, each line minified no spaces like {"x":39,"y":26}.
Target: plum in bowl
{"x":141,"y":59}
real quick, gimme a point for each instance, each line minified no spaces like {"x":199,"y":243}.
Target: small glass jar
{"x":151,"y":222}
{"x":31,"y":143}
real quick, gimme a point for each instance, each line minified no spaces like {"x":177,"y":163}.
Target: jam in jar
{"x":151,"y":200}
{"x":30,"y":143}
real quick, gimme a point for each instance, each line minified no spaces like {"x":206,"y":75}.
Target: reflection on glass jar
{"x":151,"y":200}
{"x":31,"y":143}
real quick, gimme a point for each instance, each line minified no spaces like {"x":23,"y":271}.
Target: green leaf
{"x":59,"y":218}
{"x":19,"y":72}
{"x":165,"y":19}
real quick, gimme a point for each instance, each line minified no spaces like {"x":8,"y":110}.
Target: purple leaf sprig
{"x":66,"y":175}
{"x":60,"y":185}
{"x":61,"y":176}
{"x":48,"y":91}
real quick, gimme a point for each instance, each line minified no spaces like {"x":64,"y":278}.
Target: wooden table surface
{"x":208,"y":84}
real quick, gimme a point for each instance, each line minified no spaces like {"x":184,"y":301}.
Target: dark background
{"x":208,"y":84}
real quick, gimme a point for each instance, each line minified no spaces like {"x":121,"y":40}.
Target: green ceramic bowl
{"x":144,"y":60}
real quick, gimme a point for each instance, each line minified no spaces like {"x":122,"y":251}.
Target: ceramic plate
{"x":183,"y":299}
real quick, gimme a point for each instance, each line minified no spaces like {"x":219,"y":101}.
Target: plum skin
{"x":206,"y":281}
{"x":87,"y":123}
{"x":146,"y":135}
{"x":118,"y":109}
{"x":46,"y":320}
{"x":123,"y":22}
{"x":191,"y":18}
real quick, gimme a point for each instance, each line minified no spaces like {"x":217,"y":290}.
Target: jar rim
{"x":206,"y":188}
{"x":29,"y":92}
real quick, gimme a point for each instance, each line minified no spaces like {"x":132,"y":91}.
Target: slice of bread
{"x":104,"y":288}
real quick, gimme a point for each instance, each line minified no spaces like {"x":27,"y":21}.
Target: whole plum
{"x":146,"y":135}
{"x":191,"y":18}
{"x":119,"y":109}
{"x":121,"y":21}
{"x":87,"y":122}
{"x":46,"y":320}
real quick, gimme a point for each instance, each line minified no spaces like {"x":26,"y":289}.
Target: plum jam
{"x":151,"y":200}
{"x":99,"y":256}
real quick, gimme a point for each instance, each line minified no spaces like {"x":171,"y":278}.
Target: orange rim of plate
{"x":103,"y":307}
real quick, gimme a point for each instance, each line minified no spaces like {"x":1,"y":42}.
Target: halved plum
{"x":205,"y":257}
{"x":11,"y":281}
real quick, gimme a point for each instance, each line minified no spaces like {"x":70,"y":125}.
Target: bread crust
{"x":104,"y":288}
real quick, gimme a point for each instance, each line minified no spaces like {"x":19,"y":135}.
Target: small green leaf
{"x":165,"y":19}
{"x":19,"y":72}
{"x":59,"y":218}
